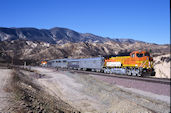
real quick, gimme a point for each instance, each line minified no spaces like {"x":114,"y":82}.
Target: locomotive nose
{"x":151,"y":59}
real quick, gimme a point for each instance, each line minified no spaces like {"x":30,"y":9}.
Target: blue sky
{"x":144,"y":20}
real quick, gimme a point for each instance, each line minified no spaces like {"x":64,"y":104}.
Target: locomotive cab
{"x":143,"y":60}
{"x":140,"y":54}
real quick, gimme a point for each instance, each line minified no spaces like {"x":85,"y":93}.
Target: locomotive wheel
{"x":133,"y":73}
{"x":105,"y":71}
{"x":136,"y":72}
{"x":153,"y":73}
{"x":129,"y":72}
{"x":139,"y":74}
{"x":110,"y":71}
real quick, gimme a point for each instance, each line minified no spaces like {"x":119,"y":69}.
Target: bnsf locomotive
{"x":137,"y":64}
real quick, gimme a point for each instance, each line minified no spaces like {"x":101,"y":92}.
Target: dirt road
{"x":88,"y":94}
{"x":5,"y":75}
{"x":19,"y":93}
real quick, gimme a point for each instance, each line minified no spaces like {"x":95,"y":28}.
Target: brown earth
{"x":26,"y":96}
{"x":47,"y":90}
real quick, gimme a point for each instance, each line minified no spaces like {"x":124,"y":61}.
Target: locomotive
{"x":139,"y":63}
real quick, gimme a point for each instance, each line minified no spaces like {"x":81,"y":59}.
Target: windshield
{"x":147,"y":54}
{"x":139,"y":55}
{"x":133,"y":55}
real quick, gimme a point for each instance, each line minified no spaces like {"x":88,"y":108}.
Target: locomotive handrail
{"x":143,"y":63}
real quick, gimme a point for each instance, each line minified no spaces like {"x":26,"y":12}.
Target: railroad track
{"x":4,"y":67}
{"x":144,"y":78}
{"x":147,"y":78}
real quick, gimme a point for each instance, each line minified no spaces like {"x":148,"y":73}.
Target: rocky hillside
{"x":162,"y":66}
{"x":41,"y":50}
{"x":38,"y":44}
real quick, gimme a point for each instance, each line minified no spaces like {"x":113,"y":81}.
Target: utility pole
{"x":12,"y":60}
{"x":25,"y":64}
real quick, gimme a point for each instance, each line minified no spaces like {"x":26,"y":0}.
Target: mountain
{"x":54,"y":36}
{"x":33,"y":45}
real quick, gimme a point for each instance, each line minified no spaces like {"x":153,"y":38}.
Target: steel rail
{"x":147,"y":79}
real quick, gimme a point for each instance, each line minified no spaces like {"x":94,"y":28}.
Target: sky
{"x":144,"y":20}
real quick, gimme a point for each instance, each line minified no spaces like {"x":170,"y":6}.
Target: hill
{"x":38,"y":44}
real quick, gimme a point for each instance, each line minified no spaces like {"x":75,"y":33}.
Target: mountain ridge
{"x":56,"y":35}
{"x":31,"y":44}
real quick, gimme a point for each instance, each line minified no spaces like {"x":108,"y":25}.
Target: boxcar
{"x":95,"y":64}
{"x":73,"y":63}
{"x":58,"y":63}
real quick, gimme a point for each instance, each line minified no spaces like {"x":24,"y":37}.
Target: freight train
{"x":139,"y":63}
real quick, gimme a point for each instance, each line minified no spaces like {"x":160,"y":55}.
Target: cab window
{"x":139,"y":54}
{"x":133,"y":55}
{"x":147,"y":54}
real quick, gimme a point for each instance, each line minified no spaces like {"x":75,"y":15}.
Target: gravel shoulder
{"x":150,"y":89}
{"x":88,"y":94}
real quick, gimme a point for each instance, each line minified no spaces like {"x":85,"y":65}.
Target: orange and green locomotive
{"x":137,"y":64}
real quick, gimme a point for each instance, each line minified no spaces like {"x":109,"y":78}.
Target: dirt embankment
{"x":162,"y":66}
{"x":28,"y":96}
{"x":88,"y":94}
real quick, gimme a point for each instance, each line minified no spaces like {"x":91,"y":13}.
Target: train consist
{"x":137,"y":64}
